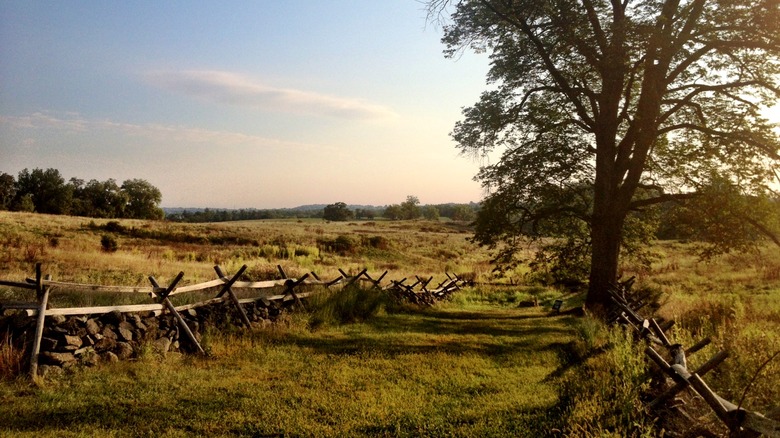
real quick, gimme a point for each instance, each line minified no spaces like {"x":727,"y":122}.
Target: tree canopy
{"x":337,"y":212}
{"x":45,"y":191}
{"x":603,"y":108}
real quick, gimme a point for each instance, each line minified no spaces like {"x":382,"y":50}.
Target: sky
{"x":255,"y":104}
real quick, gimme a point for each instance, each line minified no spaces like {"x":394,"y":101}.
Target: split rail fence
{"x":740,"y":422}
{"x":417,"y":292}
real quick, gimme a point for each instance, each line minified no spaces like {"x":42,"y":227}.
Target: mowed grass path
{"x":442,"y":372}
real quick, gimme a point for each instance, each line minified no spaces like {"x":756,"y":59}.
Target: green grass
{"x":478,"y":365}
{"x":435,"y":373}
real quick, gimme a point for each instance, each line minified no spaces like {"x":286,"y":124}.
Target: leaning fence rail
{"x":740,"y":422}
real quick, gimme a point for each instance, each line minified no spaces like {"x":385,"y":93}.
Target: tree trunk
{"x":606,"y":233}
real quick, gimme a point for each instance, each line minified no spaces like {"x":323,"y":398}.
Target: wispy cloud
{"x":239,"y":90}
{"x":162,"y":134}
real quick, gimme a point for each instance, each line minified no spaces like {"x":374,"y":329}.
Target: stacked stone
{"x":115,"y":336}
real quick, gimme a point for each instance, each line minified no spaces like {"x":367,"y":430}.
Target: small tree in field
{"x":605,"y":108}
{"x":430,"y":212}
{"x":337,"y":212}
{"x":393,"y":212}
{"x":410,"y":209}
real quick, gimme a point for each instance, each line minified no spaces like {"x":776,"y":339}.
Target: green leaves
{"x":600,"y":108}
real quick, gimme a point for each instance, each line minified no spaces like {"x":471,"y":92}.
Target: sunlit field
{"x":485,"y":363}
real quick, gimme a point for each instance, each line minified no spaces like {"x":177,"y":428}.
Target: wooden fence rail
{"x":740,"y":422}
{"x":226,"y":284}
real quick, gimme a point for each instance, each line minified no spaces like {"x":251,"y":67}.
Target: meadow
{"x":481,"y":364}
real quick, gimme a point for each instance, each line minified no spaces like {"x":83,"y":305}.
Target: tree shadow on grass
{"x":483,"y":333}
{"x":499,"y":336}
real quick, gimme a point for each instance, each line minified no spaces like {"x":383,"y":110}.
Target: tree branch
{"x":639,"y":203}
{"x":556,"y":74}
{"x":737,"y":136}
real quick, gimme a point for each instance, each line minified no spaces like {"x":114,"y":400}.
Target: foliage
{"x":108,"y":243}
{"x":410,"y":209}
{"x":337,"y":212}
{"x":463,"y":213}
{"x":393,"y":212}
{"x":143,"y":200}
{"x":7,"y":190}
{"x":555,"y":222}
{"x":430,"y":212}
{"x":46,"y":188}
{"x":365,"y":213}
{"x":25,"y":203}
{"x":639,"y":101}
{"x":225,"y":215}
{"x":723,"y":219}
{"x":45,"y":191}
{"x":98,"y":199}
{"x":407,"y":210}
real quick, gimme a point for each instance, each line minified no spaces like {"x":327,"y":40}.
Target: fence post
{"x":43,"y":299}
{"x":290,"y":285}
{"x":163,"y":295}
{"x":227,"y":288}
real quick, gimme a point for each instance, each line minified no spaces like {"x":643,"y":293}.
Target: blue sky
{"x":238,"y":104}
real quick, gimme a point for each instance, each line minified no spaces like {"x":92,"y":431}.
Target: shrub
{"x":114,"y":227}
{"x":378,"y":242}
{"x":343,"y":245}
{"x":108,"y":243}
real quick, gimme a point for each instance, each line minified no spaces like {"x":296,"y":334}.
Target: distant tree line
{"x":338,"y":211}
{"x":46,"y":191}
{"x":227,"y":215}
{"x":407,"y":210}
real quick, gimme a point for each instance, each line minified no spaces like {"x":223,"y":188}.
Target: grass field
{"x":476,"y":366}
{"x":439,"y":373}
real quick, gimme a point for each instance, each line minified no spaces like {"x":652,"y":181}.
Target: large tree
{"x":7,"y":190}
{"x":143,"y":200}
{"x":337,"y":212}
{"x":46,"y":188}
{"x":602,"y":108}
{"x":98,"y":198}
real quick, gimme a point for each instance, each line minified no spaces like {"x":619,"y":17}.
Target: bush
{"x":114,"y":227}
{"x":108,"y":243}
{"x":378,"y":242}
{"x":343,"y":245}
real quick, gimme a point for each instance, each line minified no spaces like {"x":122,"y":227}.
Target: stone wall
{"x":90,"y":339}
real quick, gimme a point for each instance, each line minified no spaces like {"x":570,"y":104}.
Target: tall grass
{"x":11,"y":358}
{"x":347,"y":305}
{"x":601,"y":397}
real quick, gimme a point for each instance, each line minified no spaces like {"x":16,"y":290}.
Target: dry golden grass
{"x":71,"y":251}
